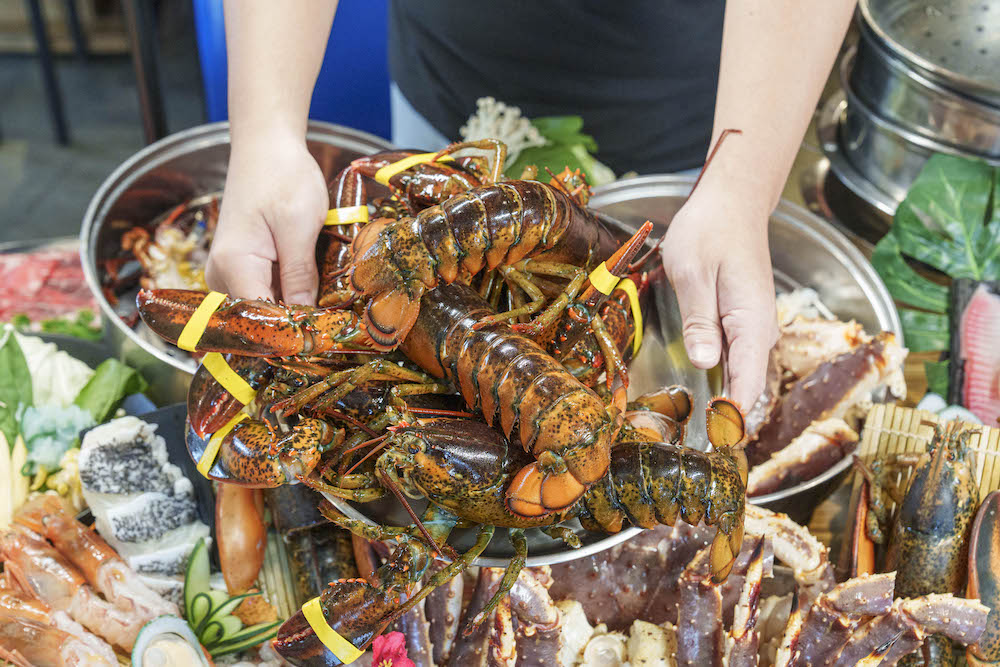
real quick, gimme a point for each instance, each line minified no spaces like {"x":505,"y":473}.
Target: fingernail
{"x":700,"y":353}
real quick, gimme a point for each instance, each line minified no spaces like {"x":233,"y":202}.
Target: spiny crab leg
{"x":829,"y":623}
{"x":744,"y":639}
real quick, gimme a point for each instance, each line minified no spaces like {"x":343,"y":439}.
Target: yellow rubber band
{"x":602,"y":280}
{"x":228,"y":378}
{"x":195,"y":327}
{"x":388,"y":171}
{"x":345,"y":651}
{"x":211,"y":452}
{"x":347,"y":215}
{"x":633,"y":300}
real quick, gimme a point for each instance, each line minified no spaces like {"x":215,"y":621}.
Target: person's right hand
{"x":273,"y":208}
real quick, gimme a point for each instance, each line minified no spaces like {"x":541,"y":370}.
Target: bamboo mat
{"x":890,"y":429}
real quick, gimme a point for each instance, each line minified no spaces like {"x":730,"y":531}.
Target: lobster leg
{"x":455,"y":567}
{"x":614,"y":364}
{"x":337,"y":385}
{"x":509,"y":578}
{"x":362,"y":494}
{"x":498,"y":148}
{"x":565,"y":534}
{"x":519,"y":275}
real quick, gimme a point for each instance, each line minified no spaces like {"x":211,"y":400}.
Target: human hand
{"x":716,"y":257}
{"x":273,"y":207}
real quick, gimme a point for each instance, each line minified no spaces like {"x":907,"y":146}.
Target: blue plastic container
{"x":353,"y":84}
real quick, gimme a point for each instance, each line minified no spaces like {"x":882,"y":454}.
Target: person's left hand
{"x":716,"y":257}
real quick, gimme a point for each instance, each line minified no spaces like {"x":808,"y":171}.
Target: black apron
{"x":641,"y":73}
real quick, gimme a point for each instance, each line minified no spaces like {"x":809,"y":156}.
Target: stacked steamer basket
{"x":922,"y":80}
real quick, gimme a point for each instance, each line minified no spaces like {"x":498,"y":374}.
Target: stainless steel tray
{"x":162,"y":175}
{"x":806,"y":251}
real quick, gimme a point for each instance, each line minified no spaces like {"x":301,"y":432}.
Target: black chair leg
{"x":76,"y":30}
{"x":145,"y":61}
{"x":48,"y":72}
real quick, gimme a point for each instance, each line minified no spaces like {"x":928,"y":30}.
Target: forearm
{"x":776,"y":56}
{"x":274,"y":50}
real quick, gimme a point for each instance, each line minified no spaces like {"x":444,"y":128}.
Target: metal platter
{"x":157,"y":178}
{"x":806,"y":252}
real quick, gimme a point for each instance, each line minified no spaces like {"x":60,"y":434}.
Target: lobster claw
{"x":210,"y":405}
{"x":254,"y":454}
{"x":984,"y":579}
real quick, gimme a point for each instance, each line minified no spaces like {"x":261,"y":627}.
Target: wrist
{"x":249,"y":134}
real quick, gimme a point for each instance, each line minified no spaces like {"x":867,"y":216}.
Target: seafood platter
{"x":484,"y":445}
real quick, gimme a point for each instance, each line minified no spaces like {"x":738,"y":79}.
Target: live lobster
{"x":463,"y":468}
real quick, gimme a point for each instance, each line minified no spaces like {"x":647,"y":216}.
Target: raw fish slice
{"x":980,"y":339}
{"x":122,"y":458}
{"x":184,"y":534}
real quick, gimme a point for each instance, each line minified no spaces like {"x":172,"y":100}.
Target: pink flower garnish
{"x":390,"y":651}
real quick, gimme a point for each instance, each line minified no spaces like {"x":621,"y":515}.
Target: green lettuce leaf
{"x":937,"y":377}
{"x":905,"y":284}
{"x":567,"y":146}
{"x":949,"y":221}
{"x":924,"y":331}
{"x":15,"y":385}
{"x":112,"y":381}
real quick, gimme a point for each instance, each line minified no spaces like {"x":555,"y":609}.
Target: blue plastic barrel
{"x":353,"y":84}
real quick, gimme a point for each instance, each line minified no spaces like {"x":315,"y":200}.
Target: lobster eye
{"x":414,"y":449}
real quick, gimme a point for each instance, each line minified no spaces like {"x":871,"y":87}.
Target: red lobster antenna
{"x":722,"y":137}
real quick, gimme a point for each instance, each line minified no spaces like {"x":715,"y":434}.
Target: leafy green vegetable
{"x":85,"y":325}
{"x":937,"y":377}
{"x":903,"y":282}
{"x":112,"y":381}
{"x":15,"y":385}
{"x":49,"y":431}
{"x":566,"y":146}
{"x":924,"y":331}
{"x":950,"y":221}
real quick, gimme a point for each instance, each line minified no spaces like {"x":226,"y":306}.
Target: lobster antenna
{"x":435,"y":412}
{"x":390,"y":484}
{"x":380,"y":447}
{"x":340,"y":237}
{"x":356,"y":423}
{"x":559,"y":184}
{"x":718,"y":142}
{"x":366,"y":443}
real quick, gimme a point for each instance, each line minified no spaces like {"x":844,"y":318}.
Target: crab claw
{"x":984,"y":583}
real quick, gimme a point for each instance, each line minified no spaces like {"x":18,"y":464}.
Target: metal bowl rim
{"x":961,"y":82}
{"x":186,"y":141}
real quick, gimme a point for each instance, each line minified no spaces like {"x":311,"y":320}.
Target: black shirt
{"x":641,"y":73}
